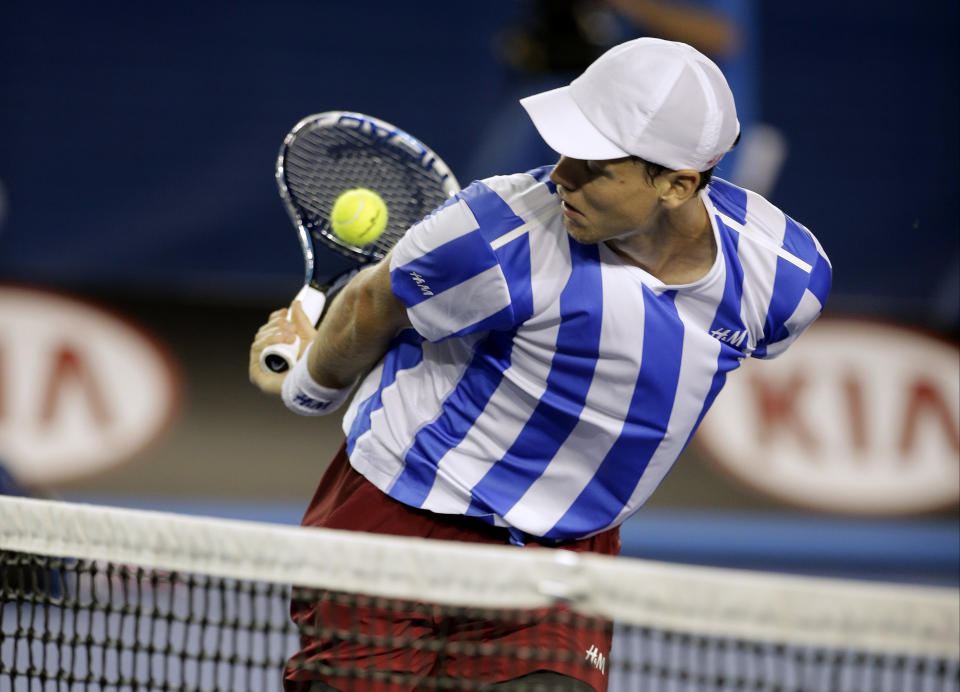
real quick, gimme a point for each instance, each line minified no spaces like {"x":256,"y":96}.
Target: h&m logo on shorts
{"x":596,"y":658}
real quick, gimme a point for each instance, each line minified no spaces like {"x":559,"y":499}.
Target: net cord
{"x":791,"y":610}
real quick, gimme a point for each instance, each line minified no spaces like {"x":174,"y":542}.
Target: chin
{"x":579,"y":233}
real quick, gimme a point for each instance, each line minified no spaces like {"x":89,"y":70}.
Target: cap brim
{"x":566,"y":129}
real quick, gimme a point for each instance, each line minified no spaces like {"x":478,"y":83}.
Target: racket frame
{"x":313,"y":294}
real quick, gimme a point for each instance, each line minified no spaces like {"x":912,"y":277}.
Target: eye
{"x":599,"y":168}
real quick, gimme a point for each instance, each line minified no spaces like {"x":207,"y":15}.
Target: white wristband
{"x":302,"y":394}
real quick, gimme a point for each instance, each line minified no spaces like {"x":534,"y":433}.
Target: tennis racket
{"x":323,"y":156}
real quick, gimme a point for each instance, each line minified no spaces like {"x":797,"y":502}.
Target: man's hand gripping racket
{"x":325,"y":155}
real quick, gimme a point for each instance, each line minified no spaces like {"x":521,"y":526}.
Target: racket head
{"x":327,"y":153}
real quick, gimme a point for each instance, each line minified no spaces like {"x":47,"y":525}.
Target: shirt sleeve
{"x":447,"y":273}
{"x":812,"y":297}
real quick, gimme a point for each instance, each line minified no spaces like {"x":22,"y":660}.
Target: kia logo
{"x":856,"y":417}
{"x":81,"y":389}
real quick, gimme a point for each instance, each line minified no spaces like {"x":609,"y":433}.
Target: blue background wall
{"x":137,"y":143}
{"x":137,"y":139}
{"x":867,"y":95}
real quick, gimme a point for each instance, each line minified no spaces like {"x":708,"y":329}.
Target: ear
{"x":678,"y":187}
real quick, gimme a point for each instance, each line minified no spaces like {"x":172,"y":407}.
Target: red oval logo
{"x":856,"y":417}
{"x":80,"y":388}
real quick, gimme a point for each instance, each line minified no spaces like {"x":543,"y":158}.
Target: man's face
{"x":604,"y":199}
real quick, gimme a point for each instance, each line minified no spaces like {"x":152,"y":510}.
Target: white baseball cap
{"x":660,"y":100}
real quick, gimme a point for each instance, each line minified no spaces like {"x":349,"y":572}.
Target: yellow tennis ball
{"x":359,"y":216}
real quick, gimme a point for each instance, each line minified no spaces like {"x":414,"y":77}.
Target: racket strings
{"x":322,"y":162}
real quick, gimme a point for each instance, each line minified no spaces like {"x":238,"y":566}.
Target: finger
{"x":261,"y":341}
{"x":282,"y":327}
{"x":277,"y":316}
{"x":304,"y":326}
{"x":277,"y":319}
{"x":276,"y":326}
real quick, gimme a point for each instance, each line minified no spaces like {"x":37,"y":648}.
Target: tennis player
{"x":533,"y":356}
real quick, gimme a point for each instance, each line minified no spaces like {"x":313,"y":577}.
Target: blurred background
{"x":142,"y":242}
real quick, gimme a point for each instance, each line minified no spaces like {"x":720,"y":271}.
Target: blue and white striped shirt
{"x":547,"y":386}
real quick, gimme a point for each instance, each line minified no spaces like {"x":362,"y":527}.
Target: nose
{"x":567,"y":173}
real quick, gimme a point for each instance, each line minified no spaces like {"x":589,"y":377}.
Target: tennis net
{"x":98,"y":598}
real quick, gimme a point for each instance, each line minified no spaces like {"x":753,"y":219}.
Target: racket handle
{"x":312,"y":301}
{"x":281,"y":357}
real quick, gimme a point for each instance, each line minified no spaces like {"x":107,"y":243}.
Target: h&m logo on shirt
{"x":421,"y":284}
{"x":728,"y":336}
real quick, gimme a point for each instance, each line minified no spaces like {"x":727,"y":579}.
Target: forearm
{"x":357,"y":329}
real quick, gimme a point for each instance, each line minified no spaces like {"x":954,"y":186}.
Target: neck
{"x":678,"y":248}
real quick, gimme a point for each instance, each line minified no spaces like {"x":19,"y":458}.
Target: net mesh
{"x":97,"y":598}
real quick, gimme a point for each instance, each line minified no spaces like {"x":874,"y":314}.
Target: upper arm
{"x":377,"y":311}
{"x":798,"y":296}
{"x":453,"y":275}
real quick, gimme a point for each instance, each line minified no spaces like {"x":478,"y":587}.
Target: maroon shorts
{"x":555,"y":638}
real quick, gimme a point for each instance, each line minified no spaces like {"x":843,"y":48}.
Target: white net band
{"x":802,"y":611}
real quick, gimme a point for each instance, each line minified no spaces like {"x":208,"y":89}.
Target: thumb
{"x":301,"y":322}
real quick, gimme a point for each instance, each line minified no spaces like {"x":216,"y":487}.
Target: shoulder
{"x":783,"y":272}
{"x":520,"y":185}
{"x":487,"y":212}
{"x":764,"y":227}
{"x":493,"y":211}
{"x":504,"y":202}
{"x":467,"y":266}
